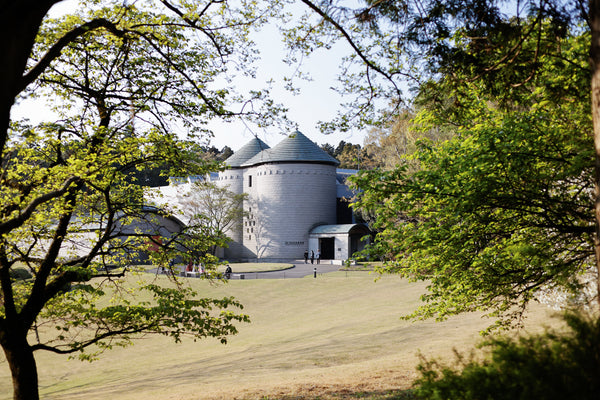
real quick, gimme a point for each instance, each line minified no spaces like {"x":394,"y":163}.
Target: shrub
{"x":548,"y":366}
{"x":20,"y":274}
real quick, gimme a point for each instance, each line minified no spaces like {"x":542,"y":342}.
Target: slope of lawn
{"x":339,"y":333}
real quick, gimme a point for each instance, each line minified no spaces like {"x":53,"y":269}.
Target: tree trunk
{"x":19,"y":24}
{"x":22,"y":367}
{"x":594,"y":14}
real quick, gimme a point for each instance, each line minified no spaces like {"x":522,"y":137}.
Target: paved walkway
{"x":299,"y":270}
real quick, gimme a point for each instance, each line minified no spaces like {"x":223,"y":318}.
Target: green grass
{"x":310,"y":338}
{"x":363,"y":266}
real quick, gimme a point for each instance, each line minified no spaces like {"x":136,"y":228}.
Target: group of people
{"x":191,"y":268}
{"x":312,"y":257}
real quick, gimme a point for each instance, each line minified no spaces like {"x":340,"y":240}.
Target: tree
{"x":122,"y":79}
{"x":225,"y":153}
{"x":554,"y":365}
{"x":462,"y":57}
{"x":351,"y":156}
{"x":214,"y":210}
{"x":501,"y":209}
{"x":391,"y":145}
{"x":329,"y":149}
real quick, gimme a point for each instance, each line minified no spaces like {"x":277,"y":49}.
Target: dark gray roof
{"x":248,"y":151}
{"x":295,"y":148}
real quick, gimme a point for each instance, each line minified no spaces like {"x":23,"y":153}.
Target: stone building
{"x":292,"y":189}
{"x":297,"y":201}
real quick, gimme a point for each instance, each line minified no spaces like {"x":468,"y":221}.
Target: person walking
{"x":305,"y":256}
{"x":312,"y":257}
{"x":318,"y":257}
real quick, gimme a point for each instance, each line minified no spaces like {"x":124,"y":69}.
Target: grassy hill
{"x":338,"y":333}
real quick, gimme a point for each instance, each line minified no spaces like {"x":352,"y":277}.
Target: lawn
{"x":339,"y":333}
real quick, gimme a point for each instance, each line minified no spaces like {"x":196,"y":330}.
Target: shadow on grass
{"x":377,"y":395}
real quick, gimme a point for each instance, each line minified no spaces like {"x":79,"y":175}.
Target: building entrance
{"x":327,"y":246}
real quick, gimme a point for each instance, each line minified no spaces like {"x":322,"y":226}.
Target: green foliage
{"x":557,"y":366}
{"x":501,"y":209}
{"x":90,"y":314}
{"x":354,"y":156}
{"x":20,"y":274}
{"x":122,"y":80}
{"x":547,"y":69}
{"x":214,"y":209}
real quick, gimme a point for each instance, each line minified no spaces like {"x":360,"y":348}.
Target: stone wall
{"x":285,"y":201}
{"x":233,"y":179}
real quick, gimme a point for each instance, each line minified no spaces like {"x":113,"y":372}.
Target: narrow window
{"x":250,"y":181}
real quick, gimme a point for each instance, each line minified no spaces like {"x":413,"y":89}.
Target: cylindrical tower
{"x":233,"y":179}
{"x":291,"y":189}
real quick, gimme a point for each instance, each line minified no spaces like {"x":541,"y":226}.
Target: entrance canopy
{"x":338,"y":242}
{"x":341,"y":229}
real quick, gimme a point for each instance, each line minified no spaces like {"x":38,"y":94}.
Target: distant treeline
{"x":156,"y":176}
{"x":350,"y":156}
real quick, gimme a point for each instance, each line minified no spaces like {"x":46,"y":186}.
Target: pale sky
{"x":316,"y":102}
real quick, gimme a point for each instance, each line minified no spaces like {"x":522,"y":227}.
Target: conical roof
{"x":247,"y":151}
{"x":295,"y":148}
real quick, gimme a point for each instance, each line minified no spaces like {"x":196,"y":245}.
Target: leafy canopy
{"x":132,"y":87}
{"x":550,"y":366}
{"x":502,"y":209}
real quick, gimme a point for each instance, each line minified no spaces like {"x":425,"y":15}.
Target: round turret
{"x":291,"y":188}
{"x":233,"y":179}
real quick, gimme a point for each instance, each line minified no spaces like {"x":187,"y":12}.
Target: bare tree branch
{"x":56,"y":49}
{"x":353,"y":44}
